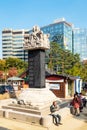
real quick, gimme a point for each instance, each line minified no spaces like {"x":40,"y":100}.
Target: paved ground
{"x":69,"y":122}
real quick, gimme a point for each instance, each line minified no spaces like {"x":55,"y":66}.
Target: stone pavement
{"x":69,"y":122}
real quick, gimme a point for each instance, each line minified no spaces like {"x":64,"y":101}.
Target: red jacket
{"x":76,"y":102}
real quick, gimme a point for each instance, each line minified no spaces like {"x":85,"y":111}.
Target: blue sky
{"x":24,"y":14}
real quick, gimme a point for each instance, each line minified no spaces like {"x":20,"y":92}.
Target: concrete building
{"x":12,"y":43}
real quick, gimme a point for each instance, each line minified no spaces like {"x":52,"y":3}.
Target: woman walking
{"x":76,"y":104}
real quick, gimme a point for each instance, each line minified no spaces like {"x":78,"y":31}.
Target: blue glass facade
{"x":69,"y":38}
{"x":61,"y":33}
{"x":80,"y":42}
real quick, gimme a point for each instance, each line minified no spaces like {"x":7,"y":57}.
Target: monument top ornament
{"x":36,"y":40}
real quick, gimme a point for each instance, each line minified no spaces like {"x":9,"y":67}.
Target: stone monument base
{"x":32,"y":105}
{"x":35,"y":101}
{"x":37,"y":98}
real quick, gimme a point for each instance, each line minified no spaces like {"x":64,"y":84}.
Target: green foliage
{"x":15,"y":62}
{"x":84,"y":72}
{"x":75,"y":70}
{"x":6,"y":65}
{"x":2,"y":64}
{"x":63,"y":61}
{"x":20,"y":71}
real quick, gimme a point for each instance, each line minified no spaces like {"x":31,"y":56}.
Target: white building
{"x":12,"y":43}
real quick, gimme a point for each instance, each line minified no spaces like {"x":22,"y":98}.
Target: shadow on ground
{"x":2,"y":128}
{"x":85,"y":121}
{"x":83,"y":115}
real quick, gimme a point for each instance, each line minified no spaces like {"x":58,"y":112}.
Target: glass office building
{"x":60,"y":32}
{"x":80,"y":42}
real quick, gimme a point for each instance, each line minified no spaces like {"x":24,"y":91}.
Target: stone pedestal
{"x":35,"y":101}
{"x":36,"y":61}
{"x":37,"y":98}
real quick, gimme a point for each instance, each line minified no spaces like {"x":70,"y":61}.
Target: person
{"x":76,"y":104}
{"x":83,"y":100}
{"x":56,"y":117}
{"x":80,"y":96}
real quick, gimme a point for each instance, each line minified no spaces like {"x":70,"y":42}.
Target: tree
{"x":75,"y":70}
{"x":2,"y":64}
{"x":20,"y":65}
{"x":15,"y":62}
{"x":62,"y":61}
{"x":12,"y":72}
{"x":1,"y":75}
{"x":84,"y":72}
{"x":54,"y":55}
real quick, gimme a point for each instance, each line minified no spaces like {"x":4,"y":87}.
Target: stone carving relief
{"x":37,"y":39}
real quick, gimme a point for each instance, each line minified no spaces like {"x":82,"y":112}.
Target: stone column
{"x":36,"y":43}
{"x":36,"y":61}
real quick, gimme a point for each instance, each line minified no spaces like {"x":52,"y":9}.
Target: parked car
{"x":7,"y":88}
{"x":2,"y":89}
